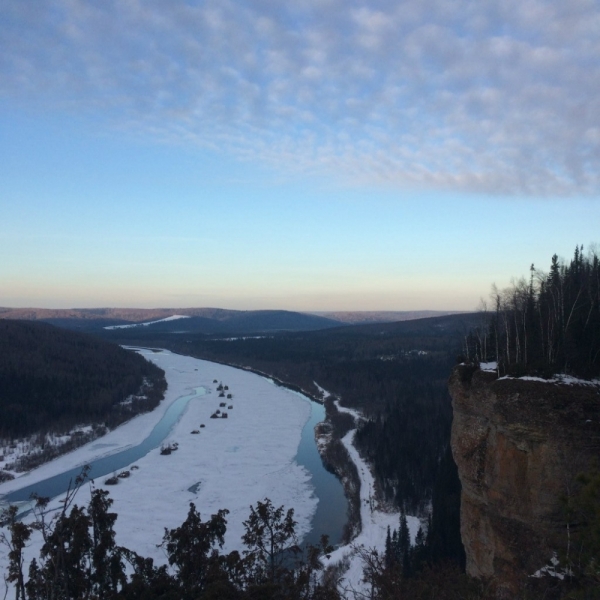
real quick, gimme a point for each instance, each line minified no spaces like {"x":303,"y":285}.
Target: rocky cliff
{"x":518,"y":445}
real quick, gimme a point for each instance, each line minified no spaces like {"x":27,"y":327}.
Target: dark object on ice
{"x":226,"y":387}
{"x":124,"y":474}
{"x":196,"y":431}
{"x":224,"y":416}
{"x":230,"y":406}
{"x":194,"y":488}
{"x":222,"y":404}
{"x":222,"y":395}
{"x":229,"y":396}
{"x":203,"y":425}
{"x":214,"y":416}
{"x":112,"y":480}
{"x":167,"y":449}
{"x":134,"y":467}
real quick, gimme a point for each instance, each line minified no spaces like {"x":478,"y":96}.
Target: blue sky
{"x":314,"y":155}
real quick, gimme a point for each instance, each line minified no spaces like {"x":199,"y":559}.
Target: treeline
{"x":548,"y":324}
{"x":53,"y":379}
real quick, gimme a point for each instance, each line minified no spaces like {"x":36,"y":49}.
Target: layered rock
{"x":518,"y":445}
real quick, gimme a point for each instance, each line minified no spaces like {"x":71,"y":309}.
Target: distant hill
{"x":52,"y":378}
{"x":209,"y":320}
{"x":105,"y":316}
{"x":198,"y":320}
{"x":383,"y":316}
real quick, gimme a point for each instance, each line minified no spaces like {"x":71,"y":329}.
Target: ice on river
{"x":232,"y":463}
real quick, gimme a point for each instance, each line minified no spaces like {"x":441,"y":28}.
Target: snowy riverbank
{"x":236,"y":461}
{"x":375,"y":521}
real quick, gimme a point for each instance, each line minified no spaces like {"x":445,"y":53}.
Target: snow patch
{"x":130,"y":325}
{"x":552,"y":569}
{"x":489,"y":366}
{"x":559,"y":379}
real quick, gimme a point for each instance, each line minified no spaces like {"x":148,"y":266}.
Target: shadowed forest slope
{"x":50,"y":378}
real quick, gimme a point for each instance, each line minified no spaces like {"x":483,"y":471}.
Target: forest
{"x":52,"y":379}
{"x":547,"y":324}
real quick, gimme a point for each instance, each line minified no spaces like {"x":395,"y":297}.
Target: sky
{"x":305,"y":155}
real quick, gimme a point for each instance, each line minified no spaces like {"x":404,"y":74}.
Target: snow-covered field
{"x":375,"y":521}
{"x":236,"y":461}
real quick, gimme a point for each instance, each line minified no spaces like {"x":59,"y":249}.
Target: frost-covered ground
{"x":236,"y":461}
{"x":375,"y":521}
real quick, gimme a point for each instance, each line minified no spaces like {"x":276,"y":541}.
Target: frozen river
{"x":265,"y":448}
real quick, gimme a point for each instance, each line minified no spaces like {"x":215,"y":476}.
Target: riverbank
{"x":375,"y":518}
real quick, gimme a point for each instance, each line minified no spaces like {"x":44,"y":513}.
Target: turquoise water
{"x":332,"y":509}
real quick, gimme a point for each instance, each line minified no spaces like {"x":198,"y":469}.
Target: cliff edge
{"x":518,"y":445}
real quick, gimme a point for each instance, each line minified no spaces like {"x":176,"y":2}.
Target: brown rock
{"x":518,"y":446}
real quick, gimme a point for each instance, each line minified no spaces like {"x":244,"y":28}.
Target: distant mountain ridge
{"x":360,"y":317}
{"x":133,"y":315}
{"x":207,"y":320}
{"x":199,"y":320}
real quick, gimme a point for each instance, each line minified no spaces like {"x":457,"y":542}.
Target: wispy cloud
{"x":500,"y":96}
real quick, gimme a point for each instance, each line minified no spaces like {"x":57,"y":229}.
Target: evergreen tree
{"x":389,"y":550}
{"x":108,"y":569}
{"x":549,"y":325}
{"x":270,"y":533}
{"x":192,"y":549}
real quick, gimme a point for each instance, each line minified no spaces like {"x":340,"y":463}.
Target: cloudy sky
{"x":314,"y":154}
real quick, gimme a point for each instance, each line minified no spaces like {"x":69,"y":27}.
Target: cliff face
{"x":518,"y":446}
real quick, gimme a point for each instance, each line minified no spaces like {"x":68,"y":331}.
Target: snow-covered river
{"x":264,"y":448}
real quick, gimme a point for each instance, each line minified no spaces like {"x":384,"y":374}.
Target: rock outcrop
{"x":518,"y":445}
